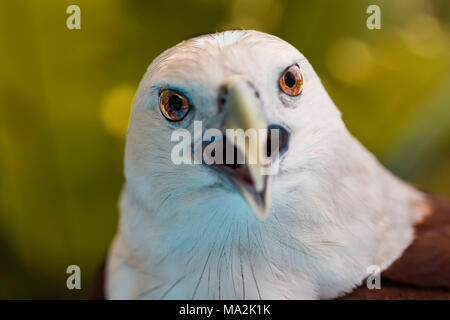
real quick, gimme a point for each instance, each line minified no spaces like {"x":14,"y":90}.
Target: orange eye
{"x":174,"y":105}
{"x":291,"y":81}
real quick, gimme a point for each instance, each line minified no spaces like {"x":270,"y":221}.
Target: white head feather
{"x":184,"y":233}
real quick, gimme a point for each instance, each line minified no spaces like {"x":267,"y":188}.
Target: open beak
{"x":243,"y":112}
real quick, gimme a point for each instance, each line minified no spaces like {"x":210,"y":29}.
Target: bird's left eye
{"x":173,"y":104}
{"x":291,"y":81}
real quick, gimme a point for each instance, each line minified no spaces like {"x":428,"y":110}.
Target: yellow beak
{"x":249,"y":136}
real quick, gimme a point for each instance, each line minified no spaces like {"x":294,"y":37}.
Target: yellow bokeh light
{"x":349,"y":60}
{"x":115,"y":110}
{"x":424,"y":36}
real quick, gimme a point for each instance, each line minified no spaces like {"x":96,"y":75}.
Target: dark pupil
{"x":175,"y":103}
{"x":289,"y":79}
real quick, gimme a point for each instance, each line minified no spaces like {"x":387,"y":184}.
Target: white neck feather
{"x":318,"y":244}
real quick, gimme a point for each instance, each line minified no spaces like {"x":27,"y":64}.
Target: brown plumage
{"x":423,"y":270}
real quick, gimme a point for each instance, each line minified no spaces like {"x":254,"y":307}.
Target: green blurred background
{"x":65,"y":97}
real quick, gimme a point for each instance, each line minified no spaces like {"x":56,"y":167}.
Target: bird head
{"x":325,"y":213}
{"x":236,"y":80}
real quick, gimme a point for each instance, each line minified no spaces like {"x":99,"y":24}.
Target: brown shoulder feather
{"x":426,"y":262}
{"x":423,"y":270}
{"x":97,"y":288}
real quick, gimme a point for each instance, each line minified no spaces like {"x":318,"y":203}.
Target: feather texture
{"x":185,"y":233}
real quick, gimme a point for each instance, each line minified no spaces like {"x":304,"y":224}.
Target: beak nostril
{"x":282,"y":144}
{"x":222,"y":97}
{"x":222,"y":100}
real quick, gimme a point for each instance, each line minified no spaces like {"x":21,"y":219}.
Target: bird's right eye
{"x":173,"y":104}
